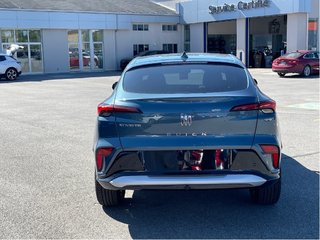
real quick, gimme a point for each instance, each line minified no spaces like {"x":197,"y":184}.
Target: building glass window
{"x":30,"y":52}
{"x":23,"y":56}
{"x":221,"y":37}
{"x":36,"y":57}
{"x":172,"y":28}
{"x":86,"y":55}
{"x":22,"y":35}
{"x":73,"y":39}
{"x":98,"y":55}
{"x":313,"y":31}
{"x":90,"y":48}
{"x":138,"y":48}
{"x":97,"y":36}
{"x":73,"y":36}
{"x":140,"y":27}
{"x":35,"y":36}
{"x":85,"y":34}
{"x":170,"y":47}
{"x":7,"y":36}
{"x":187,"y":38}
{"x":169,"y":27}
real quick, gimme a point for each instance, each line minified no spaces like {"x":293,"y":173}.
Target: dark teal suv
{"x":187,"y":121}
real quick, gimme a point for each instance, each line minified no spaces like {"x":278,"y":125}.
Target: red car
{"x":74,"y":59}
{"x":304,"y":62}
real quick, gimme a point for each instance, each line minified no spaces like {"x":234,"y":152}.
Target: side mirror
{"x":114,"y":85}
{"x":255,"y":80}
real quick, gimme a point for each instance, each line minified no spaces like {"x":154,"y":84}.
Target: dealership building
{"x":72,"y":35}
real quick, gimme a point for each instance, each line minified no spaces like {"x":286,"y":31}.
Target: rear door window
{"x":309,"y":56}
{"x":185,"y":78}
{"x":292,"y":55}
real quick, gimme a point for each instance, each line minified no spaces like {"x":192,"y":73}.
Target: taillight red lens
{"x":256,"y":106}
{"x":274,"y":151}
{"x":293,"y":62}
{"x":102,"y":108}
{"x":108,"y":109}
{"x":101,"y":154}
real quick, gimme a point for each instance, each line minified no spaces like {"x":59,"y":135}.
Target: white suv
{"x":9,"y":67}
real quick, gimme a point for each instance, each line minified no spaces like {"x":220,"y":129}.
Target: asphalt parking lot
{"x":47,"y":169}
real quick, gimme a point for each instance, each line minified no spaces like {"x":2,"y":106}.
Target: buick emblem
{"x":185,"y":120}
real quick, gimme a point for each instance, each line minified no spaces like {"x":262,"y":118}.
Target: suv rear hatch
{"x":185,"y":106}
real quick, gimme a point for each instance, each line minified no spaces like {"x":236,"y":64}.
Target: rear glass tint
{"x":292,"y":55}
{"x":185,"y":78}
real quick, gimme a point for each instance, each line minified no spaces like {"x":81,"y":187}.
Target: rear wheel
{"x":96,"y":63}
{"x":11,"y":74}
{"x":307,"y":71}
{"x":268,"y":194}
{"x":281,"y":74}
{"x":107,"y":197}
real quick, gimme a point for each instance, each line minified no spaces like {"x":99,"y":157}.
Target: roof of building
{"x":102,"y":6}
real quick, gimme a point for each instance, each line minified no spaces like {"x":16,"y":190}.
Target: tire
{"x":108,"y":198}
{"x":268,"y":194}
{"x":306,"y":71}
{"x":281,"y":74}
{"x":11,"y":74}
{"x":96,"y":63}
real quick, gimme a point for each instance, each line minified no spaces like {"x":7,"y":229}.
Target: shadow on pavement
{"x":60,"y":76}
{"x":292,"y":75}
{"x":226,"y":213}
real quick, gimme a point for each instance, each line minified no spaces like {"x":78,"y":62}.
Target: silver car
{"x":9,"y":67}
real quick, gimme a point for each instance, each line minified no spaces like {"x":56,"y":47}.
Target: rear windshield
{"x":292,"y":55}
{"x":185,"y":78}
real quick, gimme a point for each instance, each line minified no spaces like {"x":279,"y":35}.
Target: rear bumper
{"x":285,"y":69}
{"x":213,"y":179}
{"x":183,"y":182}
{"x":159,"y":170}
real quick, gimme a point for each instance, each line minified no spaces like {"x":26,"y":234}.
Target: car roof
{"x":306,"y":51}
{"x":185,"y":57}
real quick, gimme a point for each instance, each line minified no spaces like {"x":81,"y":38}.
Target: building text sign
{"x":240,"y":6}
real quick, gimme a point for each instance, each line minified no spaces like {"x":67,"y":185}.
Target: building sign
{"x":240,"y":6}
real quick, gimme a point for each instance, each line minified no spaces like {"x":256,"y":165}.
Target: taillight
{"x":274,"y":153}
{"x":293,"y":62}
{"x":267,"y":105}
{"x":106,"y":110}
{"x":101,"y":154}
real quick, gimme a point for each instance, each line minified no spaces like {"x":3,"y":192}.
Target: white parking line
{"x":308,"y":105}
